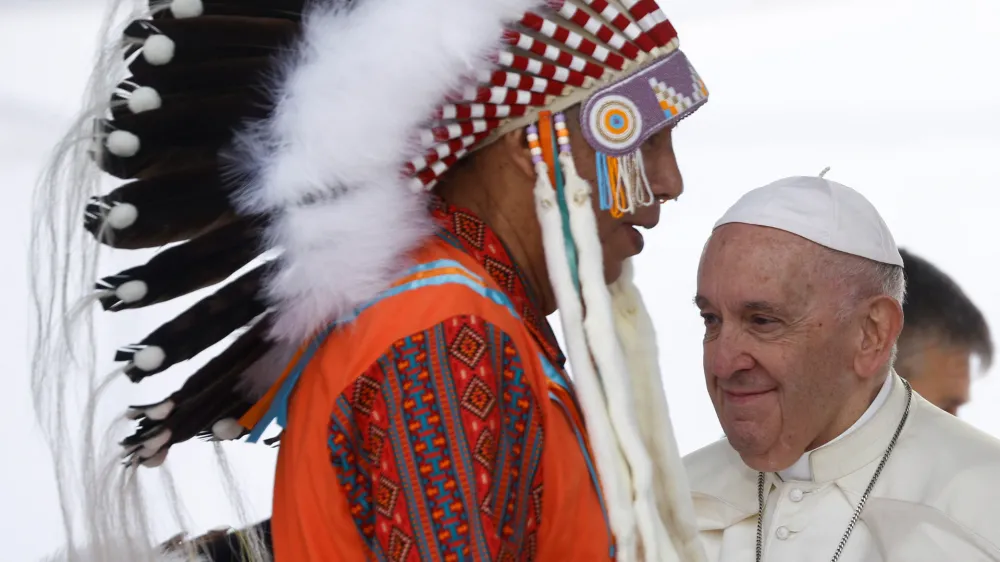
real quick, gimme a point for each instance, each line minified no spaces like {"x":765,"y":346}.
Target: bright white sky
{"x":901,"y":98}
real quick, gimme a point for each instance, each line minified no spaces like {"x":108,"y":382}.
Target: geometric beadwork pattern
{"x":504,"y":275}
{"x":470,"y":229}
{"x":437,"y":447}
{"x":532,"y":548}
{"x":469,"y":233}
{"x":671,"y":101}
{"x":468,"y":347}
{"x":374,"y":443}
{"x":399,"y":545}
{"x":365,"y":392}
{"x":485,"y":450}
{"x":487,"y":506}
{"x":700,"y":92}
{"x":536,"y":497}
{"x":478,"y":398}
{"x":385,"y":501}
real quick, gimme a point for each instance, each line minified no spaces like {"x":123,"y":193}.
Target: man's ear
{"x":880,"y":331}
{"x":515,"y":144}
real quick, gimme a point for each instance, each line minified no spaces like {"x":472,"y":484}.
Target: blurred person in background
{"x":943,"y":331}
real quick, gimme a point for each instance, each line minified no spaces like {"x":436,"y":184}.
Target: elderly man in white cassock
{"x":828,"y":454}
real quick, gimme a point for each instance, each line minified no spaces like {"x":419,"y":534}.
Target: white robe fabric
{"x":937,"y":500}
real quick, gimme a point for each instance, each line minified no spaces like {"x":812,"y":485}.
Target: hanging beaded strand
{"x":533,"y":145}
{"x":639,"y":191}
{"x":619,"y":194}
{"x":622,"y":183}
{"x":603,"y":182}
{"x":562,"y":133}
{"x":607,"y":183}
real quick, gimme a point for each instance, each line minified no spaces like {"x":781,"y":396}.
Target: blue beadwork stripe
{"x":278,"y":411}
{"x":603,"y":181}
{"x":555,"y":376}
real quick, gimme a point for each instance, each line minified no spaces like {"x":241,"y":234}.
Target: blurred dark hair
{"x":936,"y":306}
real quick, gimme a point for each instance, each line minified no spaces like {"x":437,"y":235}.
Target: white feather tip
{"x":158,"y":50}
{"x":144,"y":99}
{"x":122,"y":216}
{"x":123,"y":144}
{"x":132,"y":291}
{"x":187,"y":8}
{"x":150,"y":358}
{"x":227,"y":429}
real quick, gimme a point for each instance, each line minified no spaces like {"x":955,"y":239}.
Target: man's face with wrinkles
{"x":777,"y":361}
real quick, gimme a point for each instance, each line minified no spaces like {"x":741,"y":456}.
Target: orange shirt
{"x":434,"y":427}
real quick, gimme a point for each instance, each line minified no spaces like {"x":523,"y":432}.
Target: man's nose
{"x":662,"y":171}
{"x":729,"y":355}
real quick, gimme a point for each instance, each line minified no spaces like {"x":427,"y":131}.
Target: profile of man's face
{"x":620,"y":237}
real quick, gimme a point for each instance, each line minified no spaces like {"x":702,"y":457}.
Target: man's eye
{"x":763,"y":321}
{"x":710,"y":319}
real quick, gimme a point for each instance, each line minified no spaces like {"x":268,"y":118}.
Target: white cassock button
{"x":795,"y":495}
{"x":782,"y":533}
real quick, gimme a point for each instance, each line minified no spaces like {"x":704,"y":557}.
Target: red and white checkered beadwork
{"x":553,"y":52}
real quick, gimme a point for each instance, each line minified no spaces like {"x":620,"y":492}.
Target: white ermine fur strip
{"x":607,"y":455}
{"x":599,"y":328}
{"x":351,"y":99}
{"x":638,"y":339}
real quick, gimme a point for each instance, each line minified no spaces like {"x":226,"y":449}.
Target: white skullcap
{"x":817,"y":209}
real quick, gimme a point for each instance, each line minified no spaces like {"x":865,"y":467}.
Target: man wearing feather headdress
{"x":395,"y":195}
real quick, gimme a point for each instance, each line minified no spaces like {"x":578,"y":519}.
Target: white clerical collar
{"x":802,"y":469}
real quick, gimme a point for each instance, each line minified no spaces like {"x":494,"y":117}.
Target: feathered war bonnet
{"x":282,"y":150}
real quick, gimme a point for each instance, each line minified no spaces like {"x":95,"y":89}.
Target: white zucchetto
{"x":820,"y":210}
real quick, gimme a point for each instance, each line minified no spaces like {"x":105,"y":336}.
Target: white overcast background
{"x":901,"y":99}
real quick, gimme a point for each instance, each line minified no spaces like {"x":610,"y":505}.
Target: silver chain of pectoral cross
{"x":864,"y":497}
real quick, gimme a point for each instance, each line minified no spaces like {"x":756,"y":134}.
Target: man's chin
{"x":612,"y":271}
{"x":767,"y":463}
{"x":762,"y":457}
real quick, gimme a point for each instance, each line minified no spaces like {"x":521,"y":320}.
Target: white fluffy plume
{"x":672,"y":491}
{"x":326,"y":166}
